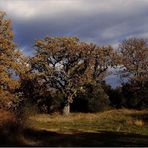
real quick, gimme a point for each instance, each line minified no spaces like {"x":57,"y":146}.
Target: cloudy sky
{"x":99,"y":21}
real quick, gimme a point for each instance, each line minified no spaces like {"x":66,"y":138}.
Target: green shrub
{"x":94,"y":99}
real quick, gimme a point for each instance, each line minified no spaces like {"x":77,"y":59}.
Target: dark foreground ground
{"x":78,"y":139}
{"x":103,"y":138}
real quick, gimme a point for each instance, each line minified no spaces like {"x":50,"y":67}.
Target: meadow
{"x":121,"y":127}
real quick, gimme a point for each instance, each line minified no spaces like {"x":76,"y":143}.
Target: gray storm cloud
{"x":99,"y":21}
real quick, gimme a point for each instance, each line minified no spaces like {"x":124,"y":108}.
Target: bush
{"x":135,"y":95}
{"x":94,"y":99}
{"x":51,"y":104}
{"x":115,"y":96}
{"x":130,"y":95}
{"x":39,"y":97}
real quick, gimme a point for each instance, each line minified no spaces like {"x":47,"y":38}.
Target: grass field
{"x":129,"y":121}
{"x":110,"y":128}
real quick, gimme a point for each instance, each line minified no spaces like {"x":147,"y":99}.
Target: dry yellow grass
{"x":112,"y":114}
{"x":61,"y":118}
{"x":122,"y":120}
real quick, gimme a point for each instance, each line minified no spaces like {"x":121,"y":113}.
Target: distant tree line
{"x":67,"y":74}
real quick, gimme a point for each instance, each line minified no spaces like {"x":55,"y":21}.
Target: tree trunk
{"x":66,"y":109}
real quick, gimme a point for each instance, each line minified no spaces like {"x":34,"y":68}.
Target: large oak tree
{"x":66,"y":64}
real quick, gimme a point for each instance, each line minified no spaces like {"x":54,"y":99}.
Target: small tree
{"x":134,"y":57}
{"x":134,"y":60}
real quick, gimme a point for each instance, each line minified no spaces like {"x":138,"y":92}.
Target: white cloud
{"x":99,"y":21}
{"x":28,"y":9}
{"x":18,"y":8}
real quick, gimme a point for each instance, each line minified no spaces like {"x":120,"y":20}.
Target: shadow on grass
{"x":103,"y":138}
{"x":79,"y":139}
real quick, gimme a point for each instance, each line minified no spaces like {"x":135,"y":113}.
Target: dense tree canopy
{"x":11,"y":62}
{"x":66,"y":64}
